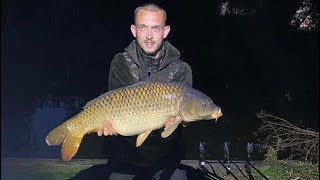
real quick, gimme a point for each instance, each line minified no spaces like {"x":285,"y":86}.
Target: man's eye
{"x":141,"y":28}
{"x":157,"y":29}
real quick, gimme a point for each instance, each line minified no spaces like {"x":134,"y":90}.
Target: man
{"x":148,"y":58}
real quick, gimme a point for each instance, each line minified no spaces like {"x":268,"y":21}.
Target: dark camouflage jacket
{"x":126,"y":69}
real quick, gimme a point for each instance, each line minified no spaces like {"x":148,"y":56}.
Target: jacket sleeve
{"x":184,"y":75}
{"x":119,"y":73}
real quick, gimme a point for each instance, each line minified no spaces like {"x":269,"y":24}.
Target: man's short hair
{"x":150,"y":7}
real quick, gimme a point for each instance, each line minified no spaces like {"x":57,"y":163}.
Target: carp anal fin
{"x":70,"y":146}
{"x":169,"y":129}
{"x":142,"y":137}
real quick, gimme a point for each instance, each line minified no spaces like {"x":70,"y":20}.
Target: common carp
{"x":135,"y":110}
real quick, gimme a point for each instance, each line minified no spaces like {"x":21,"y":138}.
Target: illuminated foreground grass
{"x":282,"y":169}
{"x":15,"y":168}
{"x":41,"y":172}
{"x":38,"y":169}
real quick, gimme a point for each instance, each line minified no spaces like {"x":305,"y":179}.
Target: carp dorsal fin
{"x":142,"y":137}
{"x":168,"y":130}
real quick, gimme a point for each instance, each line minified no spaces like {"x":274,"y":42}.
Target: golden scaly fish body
{"x":133,"y":110}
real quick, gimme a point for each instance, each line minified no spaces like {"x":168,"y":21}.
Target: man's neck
{"x":157,"y":56}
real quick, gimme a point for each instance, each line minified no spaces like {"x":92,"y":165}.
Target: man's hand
{"x":107,"y":130}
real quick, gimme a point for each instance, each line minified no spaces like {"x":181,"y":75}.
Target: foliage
{"x":306,"y":17}
{"x":282,"y":136}
{"x":272,"y":155}
{"x":47,"y":114}
{"x":72,"y":104}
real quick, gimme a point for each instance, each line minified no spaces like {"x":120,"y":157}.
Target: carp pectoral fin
{"x":93,"y":130}
{"x":142,"y":137}
{"x":70,"y":146}
{"x":169,"y":129}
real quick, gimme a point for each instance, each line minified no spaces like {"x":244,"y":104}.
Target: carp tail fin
{"x":70,"y":146}
{"x":70,"y":140}
{"x":58,"y":134}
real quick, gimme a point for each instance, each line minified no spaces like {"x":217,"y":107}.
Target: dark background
{"x":58,"y":50}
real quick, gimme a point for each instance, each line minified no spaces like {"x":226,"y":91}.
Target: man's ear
{"x":166,"y":31}
{"x":133,"y":30}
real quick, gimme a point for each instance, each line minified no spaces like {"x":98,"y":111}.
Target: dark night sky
{"x":245,"y":63}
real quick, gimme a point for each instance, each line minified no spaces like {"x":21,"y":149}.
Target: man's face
{"x":150,"y":31}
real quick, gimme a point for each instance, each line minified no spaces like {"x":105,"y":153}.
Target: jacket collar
{"x":170,"y":53}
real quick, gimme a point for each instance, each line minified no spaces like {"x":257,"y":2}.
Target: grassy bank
{"x":41,"y":172}
{"x":12,"y":169}
{"x":283,"y":169}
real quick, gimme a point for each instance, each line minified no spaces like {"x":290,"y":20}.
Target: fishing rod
{"x":247,"y":166}
{"x":204,"y":153}
{"x":226,"y":155}
{"x":204,"y":171}
{"x":239,"y":169}
{"x":213,"y":175}
{"x":235,"y":163}
{"x":248,"y":163}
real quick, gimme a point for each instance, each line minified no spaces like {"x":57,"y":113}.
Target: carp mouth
{"x":216,"y":114}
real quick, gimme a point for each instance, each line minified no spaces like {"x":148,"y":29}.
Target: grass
{"x":41,"y":172}
{"x":57,"y":170}
{"x":277,"y":169}
{"x":283,"y":169}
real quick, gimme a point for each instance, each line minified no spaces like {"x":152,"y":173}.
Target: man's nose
{"x":149,"y":33}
